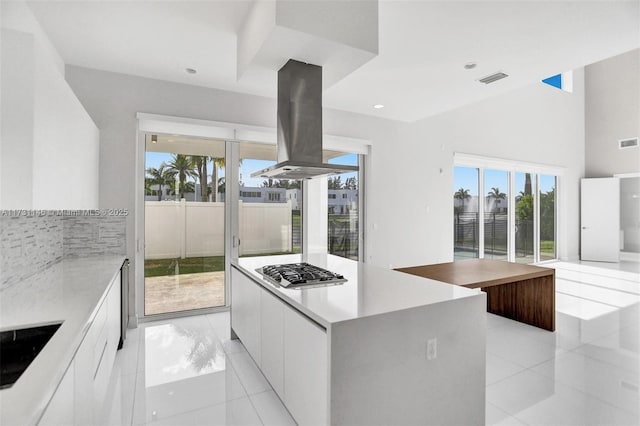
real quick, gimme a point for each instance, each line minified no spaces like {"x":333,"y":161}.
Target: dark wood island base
{"x":524,"y":293}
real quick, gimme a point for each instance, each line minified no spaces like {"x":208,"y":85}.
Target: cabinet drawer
{"x":305,"y":369}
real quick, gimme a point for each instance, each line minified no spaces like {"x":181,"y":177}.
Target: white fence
{"x":179,"y":229}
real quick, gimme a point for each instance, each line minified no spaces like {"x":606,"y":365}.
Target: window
{"x":343,"y":229}
{"x":496,"y":214}
{"x":562,"y":81}
{"x":270,"y":222}
{"x":547,"y":199}
{"x":518,"y":207}
{"x":250,"y":194}
{"x":465,"y":213}
{"x":525,"y":201}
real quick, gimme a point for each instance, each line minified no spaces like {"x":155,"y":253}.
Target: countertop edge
{"x":39,"y":403}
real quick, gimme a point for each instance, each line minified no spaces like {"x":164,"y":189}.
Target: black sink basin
{"x":19,"y":347}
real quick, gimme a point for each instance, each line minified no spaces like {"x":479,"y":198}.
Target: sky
{"x":154,"y":159}
{"x":467,"y":178}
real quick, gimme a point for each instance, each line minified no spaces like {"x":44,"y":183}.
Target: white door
{"x":600,"y":219}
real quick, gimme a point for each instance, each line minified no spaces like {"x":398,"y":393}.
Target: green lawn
{"x":190,"y":265}
{"x":547,"y":246}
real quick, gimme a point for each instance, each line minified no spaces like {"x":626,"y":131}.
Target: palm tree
{"x":496,"y":195}
{"x":218,"y":163}
{"x":160,"y":176}
{"x":200,"y":163}
{"x":462,"y":194}
{"x":269,"y":183}
{"x":334,"y":182}
{"x":182,"y":166}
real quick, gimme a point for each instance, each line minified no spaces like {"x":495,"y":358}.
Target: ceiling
{"x":423,"y":46}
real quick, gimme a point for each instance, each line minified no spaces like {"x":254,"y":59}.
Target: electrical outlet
{"x":432,"y":349}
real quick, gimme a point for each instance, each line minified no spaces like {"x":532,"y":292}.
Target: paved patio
{"x":174,"y":293}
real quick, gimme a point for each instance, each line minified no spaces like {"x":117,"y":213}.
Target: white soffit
{"x":419,"y":67}
{"x":340,"y":36}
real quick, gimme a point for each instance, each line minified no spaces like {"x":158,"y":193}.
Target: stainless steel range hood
{"x":299,"y":145}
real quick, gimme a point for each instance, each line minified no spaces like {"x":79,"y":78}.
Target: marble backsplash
{"x":30,"y":243}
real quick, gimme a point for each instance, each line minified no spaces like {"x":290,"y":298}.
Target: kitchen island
{"x":382,"y":348}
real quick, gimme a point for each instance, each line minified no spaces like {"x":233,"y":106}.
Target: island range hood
{"x":299,"y":147}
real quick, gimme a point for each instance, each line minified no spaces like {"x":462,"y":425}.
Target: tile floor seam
{"x":236,"y":373}
{"x":610,"y":364}
{"x":254,"y":407}
{"x":135,"y":388}
{"x":204,"y":407}
{"x":588,"y":395}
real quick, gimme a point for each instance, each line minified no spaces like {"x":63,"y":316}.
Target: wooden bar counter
{"x":524,"y":293}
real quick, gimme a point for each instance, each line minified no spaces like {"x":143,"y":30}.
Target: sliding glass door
{"x":519,"y":212}
{"x":547,"y":197}
{"x":465,"y":213}
{"x":184,"y":217}
{"x":496,"y":214}
{"x":524,"y":221}
{"x":269,"y":210}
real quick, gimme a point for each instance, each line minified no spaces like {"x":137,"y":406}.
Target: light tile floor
{"x":187,"y":371}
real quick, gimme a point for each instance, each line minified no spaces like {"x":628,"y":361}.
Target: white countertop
{"x":69,"y":291}
{"x":370,"y":290}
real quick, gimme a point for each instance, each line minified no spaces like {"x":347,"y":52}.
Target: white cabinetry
{"x":84,"y":386}
{"x":272,"y":333}
{"x":305,"y":373}
{"x":245,"y":312}
{"x":290,"y":349}
{"x":60,"y":409}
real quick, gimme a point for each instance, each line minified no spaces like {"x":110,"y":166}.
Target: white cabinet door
{"x":305,"y":369}
{"x":600,"y":219}
{"x":245,"y":312}
{"x":60,"y":410}
{"x":111,"y":333}
{"x":272,"y":338}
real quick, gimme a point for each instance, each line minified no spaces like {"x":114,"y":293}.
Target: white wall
{"x":612,"y":111}
{"x":49,"y":143}
{"x":535,"y":124}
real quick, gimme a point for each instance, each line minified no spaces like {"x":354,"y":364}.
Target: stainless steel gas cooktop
{"x":293,"y":275}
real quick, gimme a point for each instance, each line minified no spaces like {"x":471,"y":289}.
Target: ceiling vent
{"x":493,"y":77}
{"x":628,"y":143}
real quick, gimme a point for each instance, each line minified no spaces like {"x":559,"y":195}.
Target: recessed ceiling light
{"x":470,"y":65}
{"x":190,"y":70}
{"x":378,"y":106}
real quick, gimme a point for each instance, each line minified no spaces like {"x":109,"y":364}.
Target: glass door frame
{"x":512,"y":167}
{"x":140,"y":241}
{"x":232,"y":134}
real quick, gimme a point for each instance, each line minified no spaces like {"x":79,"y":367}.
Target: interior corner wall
{"x":411,"y":208}
{"x":612,"y":112}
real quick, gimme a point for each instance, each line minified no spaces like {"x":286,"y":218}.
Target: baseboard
{"x":627,"y":256}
